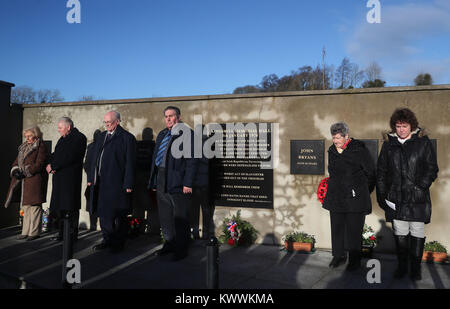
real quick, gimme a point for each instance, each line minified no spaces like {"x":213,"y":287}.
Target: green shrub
{"x":299,"y":237}
{"x":434,"y":246}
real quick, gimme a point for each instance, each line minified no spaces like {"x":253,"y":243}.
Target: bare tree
{"x":269,"y":83}
{"x":355,"y":75}
{"x":23,"y":95}
{"x":26,"y":95}
{"x":86,"y":98}
{"x":343,"y":73}
{"x":373,"y":72}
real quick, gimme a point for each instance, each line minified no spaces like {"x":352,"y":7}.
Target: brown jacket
{"x":34,"y":185}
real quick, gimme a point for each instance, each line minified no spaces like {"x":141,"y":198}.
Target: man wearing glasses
{"x":111,"y":180}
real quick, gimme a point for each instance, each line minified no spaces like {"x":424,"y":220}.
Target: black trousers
{"x":200,"y":199}
{"x":173,"y":216}
{"x":73,"y":222}
{"x":114,"y":230}
{"x":346,"y":232}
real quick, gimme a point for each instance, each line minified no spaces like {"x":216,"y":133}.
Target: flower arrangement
{"x":322,"y":189}
{"x":21,"y":213}
{"x":45,"y":216}
{"x":236,"y":231}
{"x":368,"y":236}
{"x":434,"y":251}
{"x":299,"y":241}
{"x":434,"y":246}
{"x":299,"y":237}
{"x":135,"y":226}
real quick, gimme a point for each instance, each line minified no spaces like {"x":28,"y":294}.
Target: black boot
{"x":337,"y":260}
{"x":416,"y":252}
{"x":402,"y":246}
{"x":354,"y":261}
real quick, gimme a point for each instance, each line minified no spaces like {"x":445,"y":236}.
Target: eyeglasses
{"x":109,"y":122}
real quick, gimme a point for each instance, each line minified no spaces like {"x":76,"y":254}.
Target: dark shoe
{"x":30,"y":238}
{"x":354,"y":261}
{"x":337,"y":260}
{"x":195,"y":235}
{"x":402,"y":247}
{"x":163,"y":251}
{"x":416,"y":252}
{"x":100,"y":247}
{"x":22,"y":237}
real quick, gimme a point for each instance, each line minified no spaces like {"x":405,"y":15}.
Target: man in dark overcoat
{"x":88,"y":162}
{"x":111,"y":179}
{"x":172,"y":176}
{"x":66,"y":166}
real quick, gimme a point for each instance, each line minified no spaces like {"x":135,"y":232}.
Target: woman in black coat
{"x":407,"y":166}
{"x":352,"y":179}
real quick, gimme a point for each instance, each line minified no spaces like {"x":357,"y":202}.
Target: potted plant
{"x":236,"y":231}
{"x":299,"y":241}
{"x":369,"y":241}
{"x":433,"y":251}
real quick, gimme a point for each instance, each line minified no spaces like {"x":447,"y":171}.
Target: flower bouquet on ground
{"x":369,"y":241}
{"x":21,"y":213}
{"x":299,"y":241}
{"x":135,"y":227}
{"x":45,"y":219}
{"x":236,"y":231}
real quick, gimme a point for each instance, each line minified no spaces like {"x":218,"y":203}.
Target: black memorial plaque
{"x":307,"y":157}
{"x":372,"y":146}
{"x":242,"y":176}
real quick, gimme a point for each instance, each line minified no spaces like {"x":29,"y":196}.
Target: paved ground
{"x":37,"y":264}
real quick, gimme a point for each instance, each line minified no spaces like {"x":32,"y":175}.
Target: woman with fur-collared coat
{"x":28,"y":174}
{"x":407,"y":166}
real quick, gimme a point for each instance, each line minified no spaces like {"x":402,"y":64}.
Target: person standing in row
{"x":66,"y":166}
{"x":172,"y":176}
{"x":28,"y":173}
{"x":352,"y":179}
{"x":88,"y":162}
{"x":111,"y":180}
{"x":407,"y":166}
{"x":201,"y":197}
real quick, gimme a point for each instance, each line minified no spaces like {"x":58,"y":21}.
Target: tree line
{"x":347,"y":75}
{"x":28,"y":95}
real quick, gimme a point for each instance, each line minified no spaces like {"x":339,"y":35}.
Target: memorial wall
{"x":276,"y":193}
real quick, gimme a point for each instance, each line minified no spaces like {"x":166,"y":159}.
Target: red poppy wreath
{"x":322,"y":189}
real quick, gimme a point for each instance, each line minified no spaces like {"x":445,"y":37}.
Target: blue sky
{"x":160,"y":48}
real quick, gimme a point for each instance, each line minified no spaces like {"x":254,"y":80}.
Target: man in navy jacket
{"x":172,"y":176}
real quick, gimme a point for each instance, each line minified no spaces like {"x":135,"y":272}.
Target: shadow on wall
{"x":294,"y":195}
{"x":385,"y":238}
{"x":144,"y":201}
